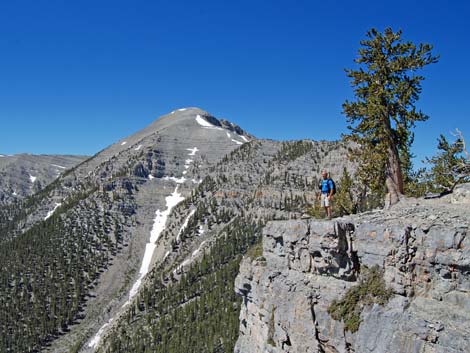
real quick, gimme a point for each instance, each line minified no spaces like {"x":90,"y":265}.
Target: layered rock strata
{"x":422,"y":248}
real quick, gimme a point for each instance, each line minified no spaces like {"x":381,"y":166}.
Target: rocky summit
{"x":393,"y":280}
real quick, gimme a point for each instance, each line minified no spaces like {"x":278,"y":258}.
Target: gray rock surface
{"x":423,"y":247}
{"x":461,"y":194}
{"x":22,"y":175}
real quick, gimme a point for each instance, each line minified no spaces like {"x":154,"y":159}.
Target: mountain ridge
{"x":23,"y":174}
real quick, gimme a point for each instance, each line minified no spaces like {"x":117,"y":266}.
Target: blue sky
{"x":75,"y":76}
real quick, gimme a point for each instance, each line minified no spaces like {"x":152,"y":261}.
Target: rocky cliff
{"x":394,"y":280}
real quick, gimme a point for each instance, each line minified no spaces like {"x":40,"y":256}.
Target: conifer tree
{"x":381,"y":118}
{"x":448,"y":165}
{"x":344,"y":196}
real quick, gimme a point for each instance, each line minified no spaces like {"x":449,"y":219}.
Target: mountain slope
{"x":71,"y":252}
{"x":187,"y":302}
{"x":22,"y":175}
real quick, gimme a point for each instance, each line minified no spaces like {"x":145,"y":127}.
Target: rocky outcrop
{"x":461,"y":194}
{"x":422,"y":247}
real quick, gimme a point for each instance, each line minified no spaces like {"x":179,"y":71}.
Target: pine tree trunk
{"x":393,"y":176}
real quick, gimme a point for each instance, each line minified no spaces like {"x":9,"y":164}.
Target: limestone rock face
{"x":423,"y":248}
{"x":461,"y":194}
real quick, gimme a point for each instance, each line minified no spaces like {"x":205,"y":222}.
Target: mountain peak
{"x":195,"y":118}
{"x":185,"y":110}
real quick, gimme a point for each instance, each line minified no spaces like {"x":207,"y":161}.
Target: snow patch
{"x":138,"y":148}
{"x":14,"y":193}
{"x":151,"y":177}
{"x":203,"y":122}
{"x":32,"y":178}
{"x":159,"y":225}
{"x":200,"y":230}
{"x":50,"y":213}
{"x":1,"y":155}
{"x":94,"y":342}
{"x":244,"y":138}
{"x":184,"y":173}
{"x":228,"y":135}
{"x":237,"y":142}
{"x":193,"y":151}
{"x":196,"y":182}
{"x":182,"y":109}
{"x":176,"y":180}
{"x":58,"y":166}
{"x":183,"y":227}
{"x":166,"y":255}
{"x":190,"y":260}
{"x":122,"y":144}
{"x":198,"y":250}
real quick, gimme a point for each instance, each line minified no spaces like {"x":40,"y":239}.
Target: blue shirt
{"x":326,"y":186}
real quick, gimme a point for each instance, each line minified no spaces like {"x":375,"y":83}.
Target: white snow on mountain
{"x":198,"y":250}
{"x":176,"y":180}
{"x":190,"y":259}
{"x":166,"y":255}
{"x":159,"y":224}
{"x":192,"y":150}
{"x":203,"y":122}
{"x":183,"y":227}
{"x":50,"y":213}
{"x":94,"y":342}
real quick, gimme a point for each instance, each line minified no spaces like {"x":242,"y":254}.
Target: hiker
{"x":327,"y":190}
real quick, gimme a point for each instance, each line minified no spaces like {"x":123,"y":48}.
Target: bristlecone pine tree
{"x":386,"y":87}
{"x":450,"y":165}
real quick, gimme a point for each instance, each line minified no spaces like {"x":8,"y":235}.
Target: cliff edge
{"x":311,"y":271}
